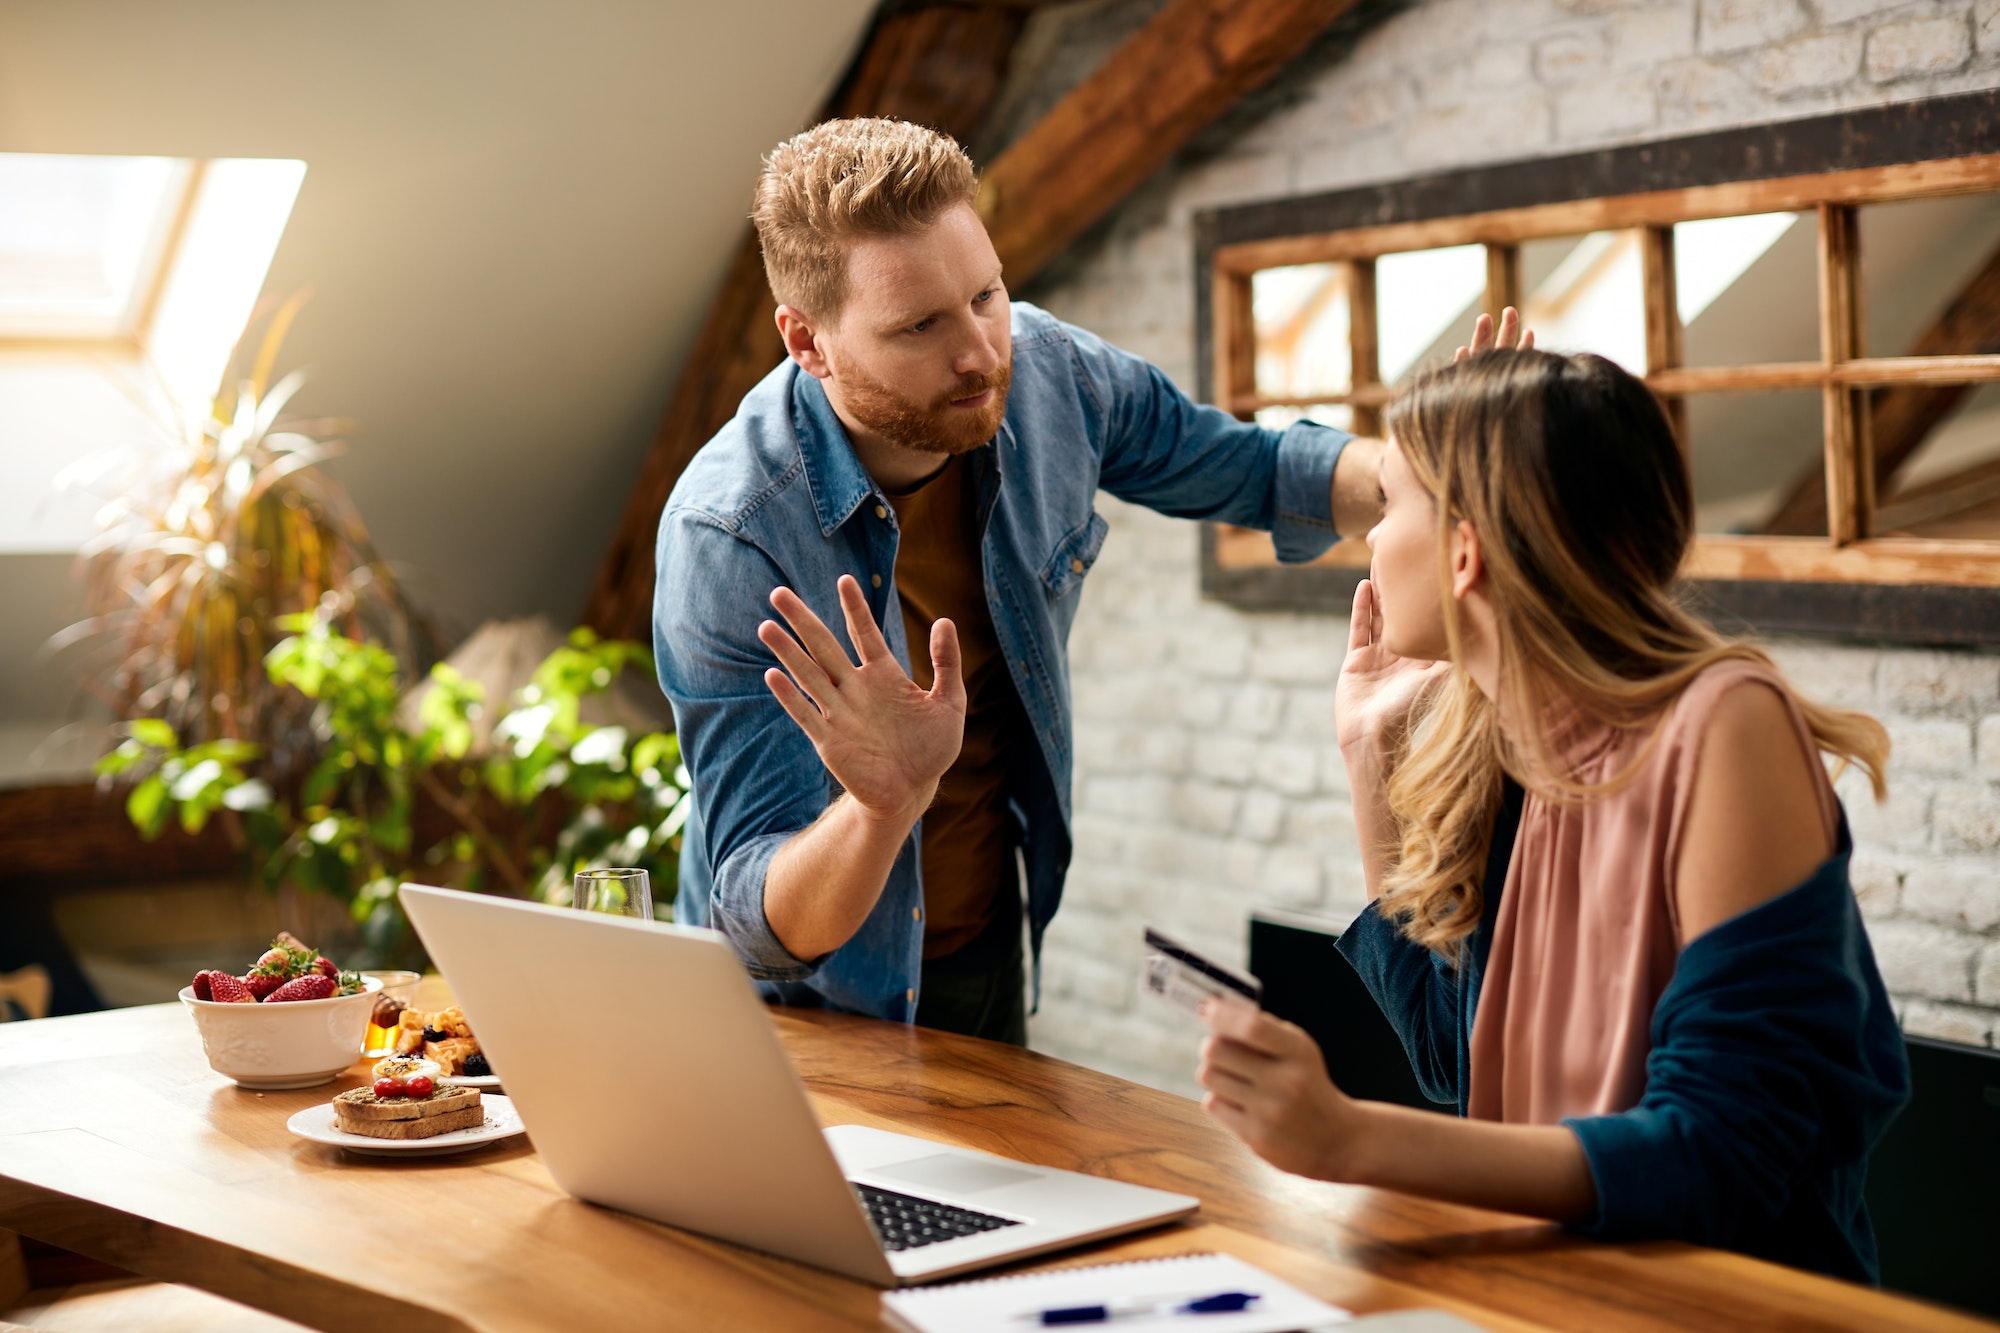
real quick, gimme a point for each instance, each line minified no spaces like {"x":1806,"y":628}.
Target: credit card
{"x":1184,"y":978}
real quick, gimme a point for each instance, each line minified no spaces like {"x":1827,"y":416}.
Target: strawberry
{"x":273,"y":960}
{"x":312,"y":986}
{"x":261,"y":984}
{"x":202,"y":989}
{"x":225,"y":989}
{"x":324,"y":966}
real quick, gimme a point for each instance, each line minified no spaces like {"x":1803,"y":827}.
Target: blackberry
{"x":476,"y":1066}
{"x":432,"y":1034}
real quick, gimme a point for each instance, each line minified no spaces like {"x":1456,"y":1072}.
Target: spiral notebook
{"x":1144,"y":1294}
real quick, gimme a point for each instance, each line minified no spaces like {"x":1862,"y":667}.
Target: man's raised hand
{"x":1509,"y":337}
{"x":883,"y":738}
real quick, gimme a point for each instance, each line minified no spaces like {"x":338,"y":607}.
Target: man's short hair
{"x":844,"y":179}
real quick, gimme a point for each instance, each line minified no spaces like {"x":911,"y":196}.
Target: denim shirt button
{"x":881,"y":511}
{"x":874,"y":580}
{"x":911,"y":995}
{"x":916,"y":914}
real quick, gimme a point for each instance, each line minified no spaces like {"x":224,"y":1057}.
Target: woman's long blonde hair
{"x":1568,"y":470}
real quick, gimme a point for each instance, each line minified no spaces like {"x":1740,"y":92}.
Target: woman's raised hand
{"x":1377,"y":689}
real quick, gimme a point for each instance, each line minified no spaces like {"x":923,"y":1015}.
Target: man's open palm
{"x":884,"y":739}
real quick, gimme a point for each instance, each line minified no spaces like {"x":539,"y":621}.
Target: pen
{"x":1225,"y":1302}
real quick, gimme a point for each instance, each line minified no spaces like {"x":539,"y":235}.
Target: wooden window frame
{"x":1848,"y":584}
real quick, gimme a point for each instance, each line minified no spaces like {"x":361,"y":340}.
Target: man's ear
{"x":1468,"y":559}
{"x":801,"y":334}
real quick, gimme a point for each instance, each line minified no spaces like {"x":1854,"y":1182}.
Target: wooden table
{"x":117,"y":1141}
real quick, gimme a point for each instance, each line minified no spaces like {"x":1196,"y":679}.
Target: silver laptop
{"x":651,"y":1079}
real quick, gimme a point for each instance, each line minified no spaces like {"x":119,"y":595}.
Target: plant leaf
{"x":606,"y":745}
{"x":195,"y":781}
{"x":151,"y":731}
{"x":146,"y":807}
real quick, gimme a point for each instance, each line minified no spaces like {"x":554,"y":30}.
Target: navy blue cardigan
{"x":1776,"y":1065}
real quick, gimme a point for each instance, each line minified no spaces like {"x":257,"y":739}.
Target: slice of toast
{"x":419,"y":1129}
{"x":359,"y":1111}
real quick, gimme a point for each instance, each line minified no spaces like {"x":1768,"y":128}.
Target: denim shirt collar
{"x":834,"y":476}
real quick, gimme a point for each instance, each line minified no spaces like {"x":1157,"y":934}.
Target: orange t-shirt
{"x":968,"y":855}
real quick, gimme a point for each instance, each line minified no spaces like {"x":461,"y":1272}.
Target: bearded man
{"x":869,"y":815}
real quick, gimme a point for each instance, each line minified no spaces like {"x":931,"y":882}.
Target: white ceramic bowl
{"x":298,"y":1044}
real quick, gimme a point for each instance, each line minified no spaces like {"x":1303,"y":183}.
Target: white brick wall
{"x":1207,"y":778}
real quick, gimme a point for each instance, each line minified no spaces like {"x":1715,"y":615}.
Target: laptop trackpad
{"x":952,"y":1174}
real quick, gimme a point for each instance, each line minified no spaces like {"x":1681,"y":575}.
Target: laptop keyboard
{"x":905,"y":1223}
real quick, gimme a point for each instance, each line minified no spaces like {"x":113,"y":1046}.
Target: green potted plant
{"x":393,"y":796}
{"x":257,"y":652}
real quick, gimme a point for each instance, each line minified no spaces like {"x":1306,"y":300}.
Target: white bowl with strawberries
{"x":294,"y":1020}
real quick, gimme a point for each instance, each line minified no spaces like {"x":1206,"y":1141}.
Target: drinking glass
{"x":398,"y":986}
{"x":616,"y":890}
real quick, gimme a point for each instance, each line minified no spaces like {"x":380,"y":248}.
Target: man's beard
{"x":936,"y":428}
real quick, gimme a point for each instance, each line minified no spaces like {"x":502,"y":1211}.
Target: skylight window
{"x":124,"y":285}
{"x":235,"y":219}
{"x":82,"y":240}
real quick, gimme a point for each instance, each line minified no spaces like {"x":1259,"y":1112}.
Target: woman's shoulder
{"x":1754,"y":811}
{"x":1698,"y":702}
{"x":1667,"y":746}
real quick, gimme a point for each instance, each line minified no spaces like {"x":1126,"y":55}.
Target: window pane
{"x":80,"y":240}
{"x":1301,"y":315}
{"x":1950,"y":486}
{"x":1748,"y":289}
{"x":1587,"y":294}
{"x":1750,"y":455}
{"x":1425,"y":304}
{"x":1930,"y":276}
{"x":1916,"y":258}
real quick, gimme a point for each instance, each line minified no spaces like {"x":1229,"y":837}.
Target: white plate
{"x":321,"y":1125}
{"x":471,"y":1080}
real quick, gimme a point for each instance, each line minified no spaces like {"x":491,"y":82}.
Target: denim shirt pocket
{"x":1074,"y":555}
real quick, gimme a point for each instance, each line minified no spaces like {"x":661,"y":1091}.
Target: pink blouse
{"x":1586,"y":935}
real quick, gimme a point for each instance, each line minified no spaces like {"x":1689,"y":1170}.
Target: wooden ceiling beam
{"x":1167,"y":82}
{"x":1902,"y":417}
{"x":940,"y":66}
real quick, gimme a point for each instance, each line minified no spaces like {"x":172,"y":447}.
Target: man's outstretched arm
{"x":885,"y":740}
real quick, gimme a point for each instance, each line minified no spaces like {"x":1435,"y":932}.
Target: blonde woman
{"x":1611,"y":916}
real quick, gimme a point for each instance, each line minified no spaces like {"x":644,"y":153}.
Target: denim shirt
{"x":778,"y":497}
